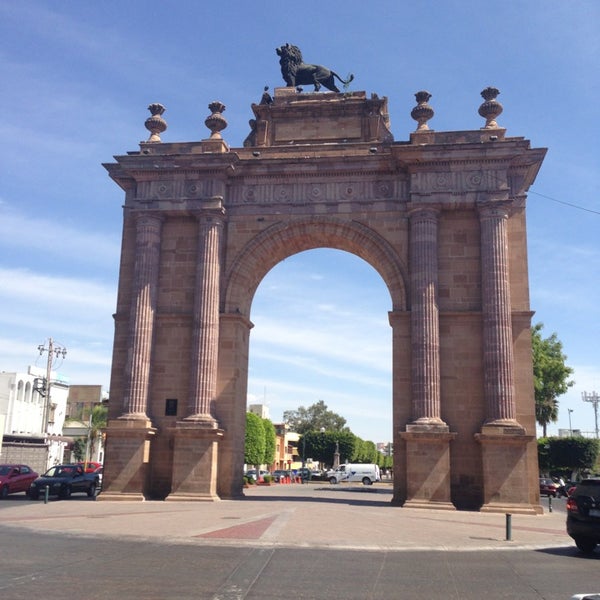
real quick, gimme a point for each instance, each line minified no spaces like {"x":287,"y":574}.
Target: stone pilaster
{"x":141,"y":320}
{"x":206,"y":322}
{"x":425,"y":319}
{"x":498,"y":360}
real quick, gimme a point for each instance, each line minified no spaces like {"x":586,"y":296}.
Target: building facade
{"x":33,"y":421}
{"x":440,"y":216}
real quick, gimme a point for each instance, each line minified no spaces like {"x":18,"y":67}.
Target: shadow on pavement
{"x":569,"y":552}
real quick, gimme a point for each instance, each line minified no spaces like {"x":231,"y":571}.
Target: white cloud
{"x":50,"y":237}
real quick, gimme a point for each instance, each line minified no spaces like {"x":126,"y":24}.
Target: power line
{"x":595,"y":212}
{"x":530,"y":191}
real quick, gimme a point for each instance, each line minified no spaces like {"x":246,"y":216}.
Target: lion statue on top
{"x":295,"y":72}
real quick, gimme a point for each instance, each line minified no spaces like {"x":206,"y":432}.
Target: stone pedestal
{"x":195,"y":456}
{"x":505,"y":472}
{"x":126,"y":467}
{"x":428,"y":468}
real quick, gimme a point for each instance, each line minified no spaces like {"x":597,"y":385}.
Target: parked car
{"x":64,"y":480}
{"x":548,"y":487}
{"x":252,"y":473}
{"x":583,"y":514}
{"x":279,"y":474}
{"x":99,"y":471}
{"x":15,"y":479}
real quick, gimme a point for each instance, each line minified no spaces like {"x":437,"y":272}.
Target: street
{"x":50,"y":565}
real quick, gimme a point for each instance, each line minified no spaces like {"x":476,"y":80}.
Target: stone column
{"x":424,"y":318}
{"x":205,"y":336}
{"x":503,"y":441}
{"x":128,"y":438}
{"x":427,"y":438}
{"x":141,"y":320}
{"x":197,"y":436}
{"x":498,"y":360}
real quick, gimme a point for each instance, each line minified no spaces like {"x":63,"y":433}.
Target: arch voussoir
{"x":284,"y":239}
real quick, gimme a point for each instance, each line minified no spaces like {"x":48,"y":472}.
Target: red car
{"x":15,"y":478}
{"x":90,"y":466}
{"x":548,"y":487}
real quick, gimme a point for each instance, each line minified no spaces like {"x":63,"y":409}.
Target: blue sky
{"x":77,"y":78}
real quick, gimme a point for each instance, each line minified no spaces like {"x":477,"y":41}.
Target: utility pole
{"x":593,"y":398}
{"x":570,"y":428}
{"x":54,"y":352}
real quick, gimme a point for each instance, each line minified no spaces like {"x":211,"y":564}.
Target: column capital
{"x":209,"y":213}
{"x":494,"y":208}
{"x":430,"y":211}
{"x":209,"y":205}
{"x":145,"y":216}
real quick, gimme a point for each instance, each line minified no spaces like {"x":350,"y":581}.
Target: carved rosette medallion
{"x":216,"y":122}
{"x":249,"y":195}
{"x":155,"y":124}
{"x":491,"y":108}
{"x":422,"y":112}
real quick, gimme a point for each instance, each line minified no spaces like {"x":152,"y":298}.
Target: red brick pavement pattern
{"x":245,"y":531}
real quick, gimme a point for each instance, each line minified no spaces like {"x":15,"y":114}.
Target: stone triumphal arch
{"x":440,"y":216}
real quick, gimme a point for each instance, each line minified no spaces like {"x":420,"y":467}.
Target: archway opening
{"x":321,"y":333}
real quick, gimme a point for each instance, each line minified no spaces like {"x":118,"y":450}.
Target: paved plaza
{"x":293,"y":541}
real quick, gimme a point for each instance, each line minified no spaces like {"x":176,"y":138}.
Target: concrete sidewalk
{"x":315,"y":515}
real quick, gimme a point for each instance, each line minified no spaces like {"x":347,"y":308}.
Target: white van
{"x":367,"y":473}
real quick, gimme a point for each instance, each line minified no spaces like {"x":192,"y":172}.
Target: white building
{"x":32,"y":420}
{"x":262,"y":410}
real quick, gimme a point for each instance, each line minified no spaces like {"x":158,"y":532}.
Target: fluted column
{"x":141,"y":322}
{"x":205,"y":340}
{"x":497,"y":326}
{"x":424,"y":317}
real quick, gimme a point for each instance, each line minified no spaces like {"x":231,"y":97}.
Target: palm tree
{"x":97,"y":423}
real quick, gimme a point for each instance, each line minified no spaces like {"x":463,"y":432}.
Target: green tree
{"x":320,"y":446}
{"x":79,"y":446}
{"x":550,"y":375}
{"x":270,"y":442}
{"x":314,"y":418}
{"x":254,"y":443}
{"x":570,"y":454}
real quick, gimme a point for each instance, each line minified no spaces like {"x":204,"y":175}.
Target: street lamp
{"x":570,"y":428}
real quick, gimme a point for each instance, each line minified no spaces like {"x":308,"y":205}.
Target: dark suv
{"x":583,"y":514}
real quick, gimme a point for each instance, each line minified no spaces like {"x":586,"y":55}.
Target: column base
{"x":506,"y":478}
{"x":428,"y":466}
{"x":432,"y":505}
{"x":126,"y":467}
{"x":192,"y":497}
{"x":119,"y":497}
{"x":195,"y":457}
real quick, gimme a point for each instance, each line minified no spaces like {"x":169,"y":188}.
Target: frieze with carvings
{"x":272,"y":193}
{"x":458,"y":182}
{"x":179,"y":189}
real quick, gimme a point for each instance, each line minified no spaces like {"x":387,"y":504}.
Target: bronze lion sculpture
{"x":295,"y":72}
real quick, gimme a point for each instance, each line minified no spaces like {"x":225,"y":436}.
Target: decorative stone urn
{"x":216,"y":122}
{"x":422,"y":112}
{"x":155,"y":124}
{"x":491,"y":108}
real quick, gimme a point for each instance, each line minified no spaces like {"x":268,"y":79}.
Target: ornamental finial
{"x":491,"y":108}
{"x":422,"y":112}
{"x":155,"y":124}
